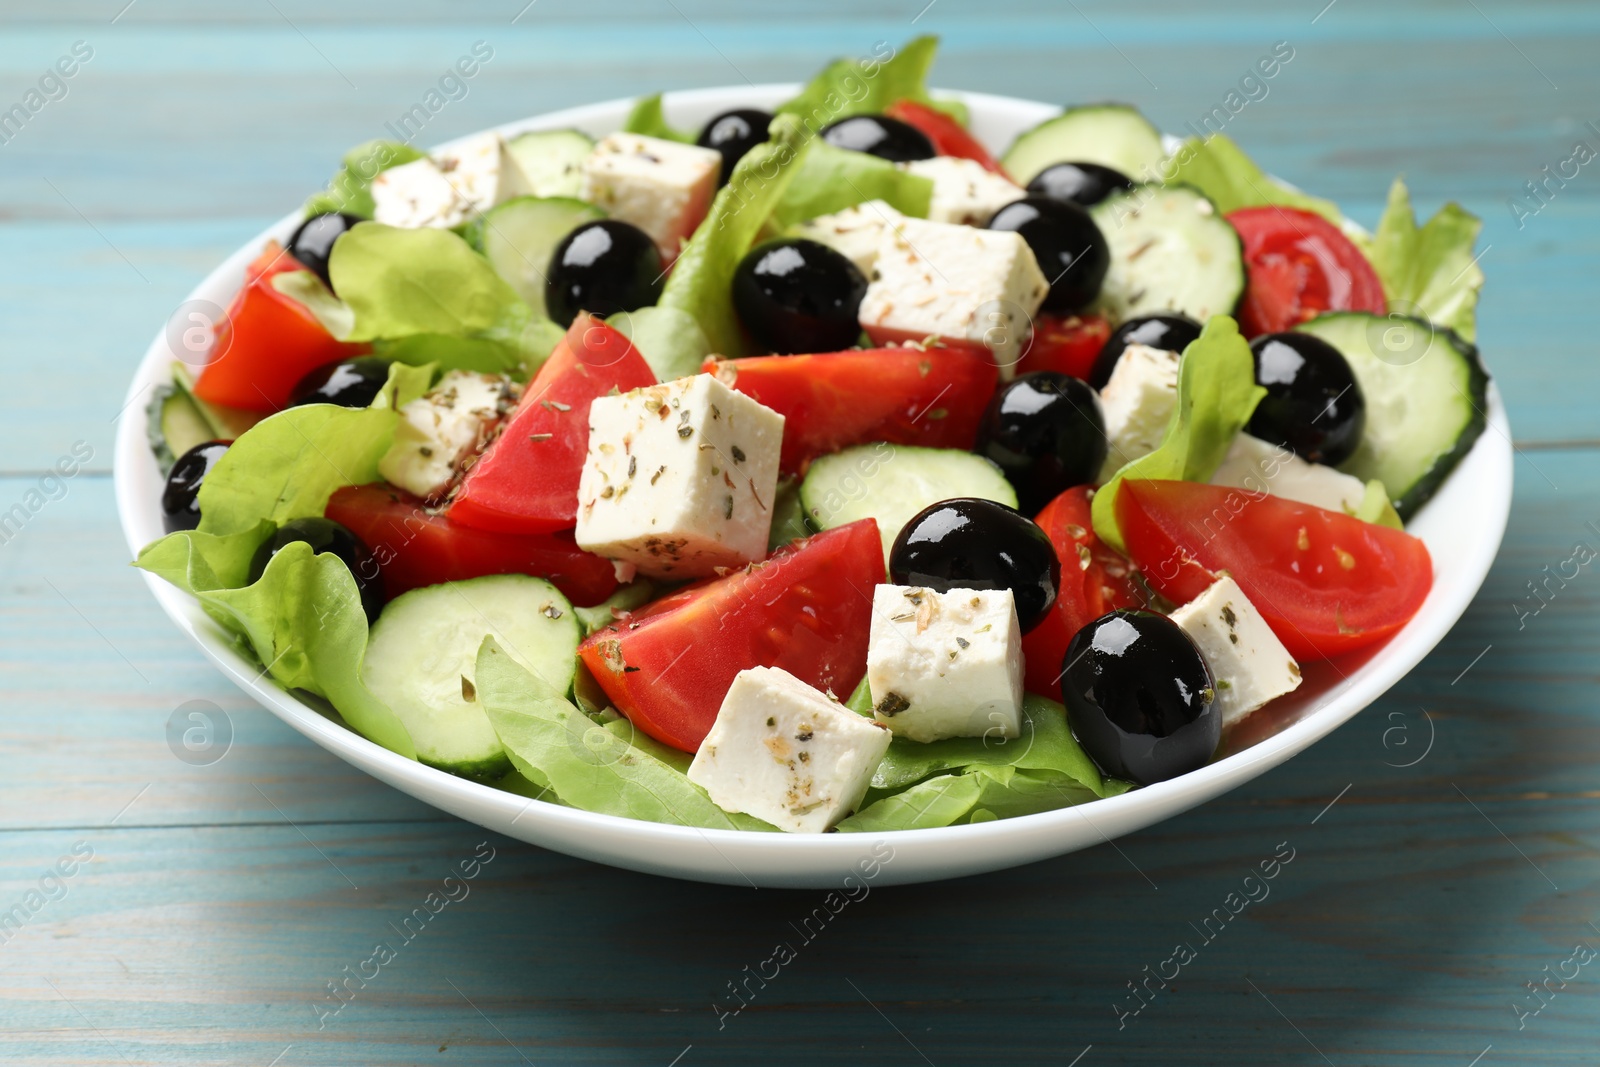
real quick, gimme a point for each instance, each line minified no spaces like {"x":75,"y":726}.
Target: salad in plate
{"x":819,"y":470}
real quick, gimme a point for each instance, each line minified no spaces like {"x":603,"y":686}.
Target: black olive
{"x":795,"y":295}
{"x":1139,"y":697}
{"x":325,"y":535}
{"x":1084,"y":184}
{"x":1070,"y":248}
{"x":733,"y":133}
{"x":351,"y":383}
{"x":1045,"y":430}
{"x":968,"y":543}
{"x":603,"y":267}
{"x":1313,"y":404}
{"x":881,"y":136}
{"x":312,"y":243}
{"x":1169,"y":331}
{"x":180,"y":496}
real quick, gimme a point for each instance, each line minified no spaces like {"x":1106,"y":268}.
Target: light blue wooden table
{"x":209,"y":907}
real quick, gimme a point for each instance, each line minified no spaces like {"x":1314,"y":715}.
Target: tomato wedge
{"x":267,"y":342}
{"x":1095,"y":579}
{"x":808,"y":609}
{"x":1299,"y":265}
{"x":905,"y":396}
{"x":414,"y":547}
{"x":1065,"y":343}
{"x":1325,"y":582}
{"x":949,"y":137}
{"x":527,"y":480}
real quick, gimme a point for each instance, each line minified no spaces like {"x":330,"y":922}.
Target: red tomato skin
{"x":1067,"y":344}
{"x":1298,"y":266}
{"x":525,"y":482}
{"x":414,"y":547}
{"x":1354,"y":584}
{"x":267,"y":342}
{"x":833,"y":400}
{"x":1095,"y":579}
{"x":807,"y":609}
{"x":948,"y":136}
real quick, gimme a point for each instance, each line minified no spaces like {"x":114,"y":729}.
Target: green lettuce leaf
{"x":831,"y":179}
{"x":702,"y":279}
{"x":289,"y":464}
{"x":951,"y":781}
{"x":636,"y":594}
{"x":432,"y":299}
{"x":1428,"y":271}
{"x":789,"y":522}
{"x":605,"y":769}
{"x":1217,"y":392}
{"x":350,"y":190}
{"x":1045,"y":745}
{"x":302,"y":618}
{"x":647,"y":118}
{"x":287,"y":470}
{"x":404,"y":384}
{"x":1219,"y":168}
{"x":521,"y":357}
{"x":669,"y":339}
{"x":309,"y":290}
{"x":848,"y":87}
{"x":981,"y":794}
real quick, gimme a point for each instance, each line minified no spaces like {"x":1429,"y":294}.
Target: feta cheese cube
{"x":662,"y":187}
{"x":1260,"y":467}
{"x":450,"y":188}
{"x":680,"y":478}
{"x":1136,"y":403}
{"x":856,"y":232}
{"x":484,"y":172}
{"x":957,"y":282}
{"x":963,"y":191}
{"x":1248,"y":663}
{"x":439,"y":432}
{"x":945,"y":664}
{"x":783,"y":752}
{"x":416,"y":195}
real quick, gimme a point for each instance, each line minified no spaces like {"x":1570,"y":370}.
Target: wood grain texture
{"x":220,"y":901}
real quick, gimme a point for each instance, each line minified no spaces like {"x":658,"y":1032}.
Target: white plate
{"x":1462,"y":526}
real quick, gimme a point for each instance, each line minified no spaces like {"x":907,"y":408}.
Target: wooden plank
{"x":1400,"y":929}
{"x":1330,"y":118}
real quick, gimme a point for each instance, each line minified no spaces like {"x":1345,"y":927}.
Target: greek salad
{"x":819,"y":469}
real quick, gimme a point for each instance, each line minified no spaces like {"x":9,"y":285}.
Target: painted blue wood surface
{"x":220,"y":901}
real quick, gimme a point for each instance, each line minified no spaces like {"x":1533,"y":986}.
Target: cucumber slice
{"x":1427,"y":394}
{"x":1171,"y":250}
{"x":520,"y":236}
{"x":174,"y":425}
{"x":1112,"y":135}
{"x":423,"y":653}
{"x":552,"y":160}
{"x":892,"y":483}
{"x":227,"y":424}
